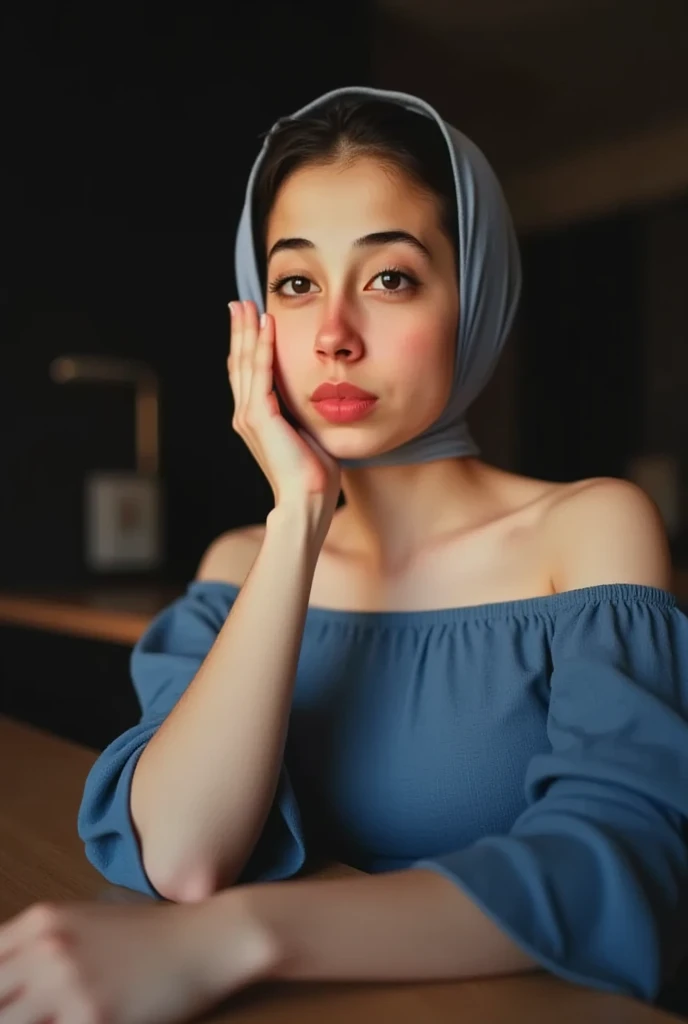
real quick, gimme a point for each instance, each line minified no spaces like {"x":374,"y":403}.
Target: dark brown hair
{"x":348,"y":127}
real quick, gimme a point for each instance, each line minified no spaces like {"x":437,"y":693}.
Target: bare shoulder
{"x":230,"y":556}
{"x":606,"y":530}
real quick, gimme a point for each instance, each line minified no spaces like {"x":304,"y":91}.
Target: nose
{"x":338,"y":340}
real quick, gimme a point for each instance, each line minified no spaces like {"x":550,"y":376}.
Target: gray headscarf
{"x":489,"y":287}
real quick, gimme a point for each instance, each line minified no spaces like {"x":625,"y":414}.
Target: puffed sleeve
{"x":592,"y":879}
{"x":163,"y":663}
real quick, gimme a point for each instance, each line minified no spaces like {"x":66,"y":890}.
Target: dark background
{"x":129,"y":138}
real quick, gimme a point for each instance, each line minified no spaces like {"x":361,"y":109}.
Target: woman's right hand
{"x":297,"y":468}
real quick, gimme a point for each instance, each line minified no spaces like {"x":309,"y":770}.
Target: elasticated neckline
{"x":547,"y":606}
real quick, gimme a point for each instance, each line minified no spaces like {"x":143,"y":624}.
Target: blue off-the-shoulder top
{"x":534,"y":752}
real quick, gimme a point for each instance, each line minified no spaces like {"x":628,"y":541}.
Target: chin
{"x":349,"y":443}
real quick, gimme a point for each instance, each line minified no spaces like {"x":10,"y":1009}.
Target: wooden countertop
{"x":117,"y":614}
{"x":121,"y":614}
{"x":41,"y":858}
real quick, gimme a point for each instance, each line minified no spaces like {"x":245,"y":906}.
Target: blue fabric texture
{"x":533,"y":752}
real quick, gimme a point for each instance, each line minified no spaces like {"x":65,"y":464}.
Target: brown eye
{"x":391,"y":279}
{"x":395,"y":281}
{"x":300,"y":285}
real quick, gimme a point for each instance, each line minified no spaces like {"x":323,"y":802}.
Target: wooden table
{"x":41,"y":858}
{"x":111,"y":613}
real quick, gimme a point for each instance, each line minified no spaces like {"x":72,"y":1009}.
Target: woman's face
{"x":379,"y":314}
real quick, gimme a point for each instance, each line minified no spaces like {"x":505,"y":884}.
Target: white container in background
{"x":123,"y":527}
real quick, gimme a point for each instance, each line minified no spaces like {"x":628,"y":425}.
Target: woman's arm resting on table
{"x":417,"y":924}
{"x":147,"y":962}
{"x":407,"y":925}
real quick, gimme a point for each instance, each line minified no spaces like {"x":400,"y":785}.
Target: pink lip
{"x":340,"y":390}
{"x":346,"y":410}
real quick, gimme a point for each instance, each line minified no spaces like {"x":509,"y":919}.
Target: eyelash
{"x":413,"y":281}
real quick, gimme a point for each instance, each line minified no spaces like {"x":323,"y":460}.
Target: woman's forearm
{"x":404,"y":925}
{"x":203,"y":786}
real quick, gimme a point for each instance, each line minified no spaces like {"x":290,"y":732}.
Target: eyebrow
{"x":377,"y":238}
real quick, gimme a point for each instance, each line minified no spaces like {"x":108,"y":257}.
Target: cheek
{"x":289,"y":357}
{"x":424,"y":355}
{"x":411,"y":355}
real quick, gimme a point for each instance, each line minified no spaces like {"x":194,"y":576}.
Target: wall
{"x":664,"y":296}
{"x":127,"y":170}
{"x":129,"y":154}
{"x":594,"y":358}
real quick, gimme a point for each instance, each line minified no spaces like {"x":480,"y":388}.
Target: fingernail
{"x":231,"y":308}
{"x":263,"y":319}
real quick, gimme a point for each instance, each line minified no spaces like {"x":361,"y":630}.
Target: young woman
{"x":471,"y":685}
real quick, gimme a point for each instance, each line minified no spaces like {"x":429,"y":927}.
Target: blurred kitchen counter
{"x":117,"y":614}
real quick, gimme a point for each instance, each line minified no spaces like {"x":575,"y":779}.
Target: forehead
{"x":354,"y":197}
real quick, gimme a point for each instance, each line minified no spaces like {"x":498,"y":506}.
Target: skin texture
{"x":342,"y":320}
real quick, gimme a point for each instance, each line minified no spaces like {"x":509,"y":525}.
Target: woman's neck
{"x":392,"y":512}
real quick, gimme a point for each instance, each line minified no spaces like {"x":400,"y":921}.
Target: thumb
{"x":315,"y":447}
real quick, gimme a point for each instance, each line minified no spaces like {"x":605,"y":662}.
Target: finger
{"x":316,"y":447}
{"x":80,"y":1009}
{"x":24,"y":926}
{"x":262,"y":378}
{"x":249,"y":325}
{"x":25,"y":1008}
{"x":234,"y":358}
{"x":10,"y":983}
